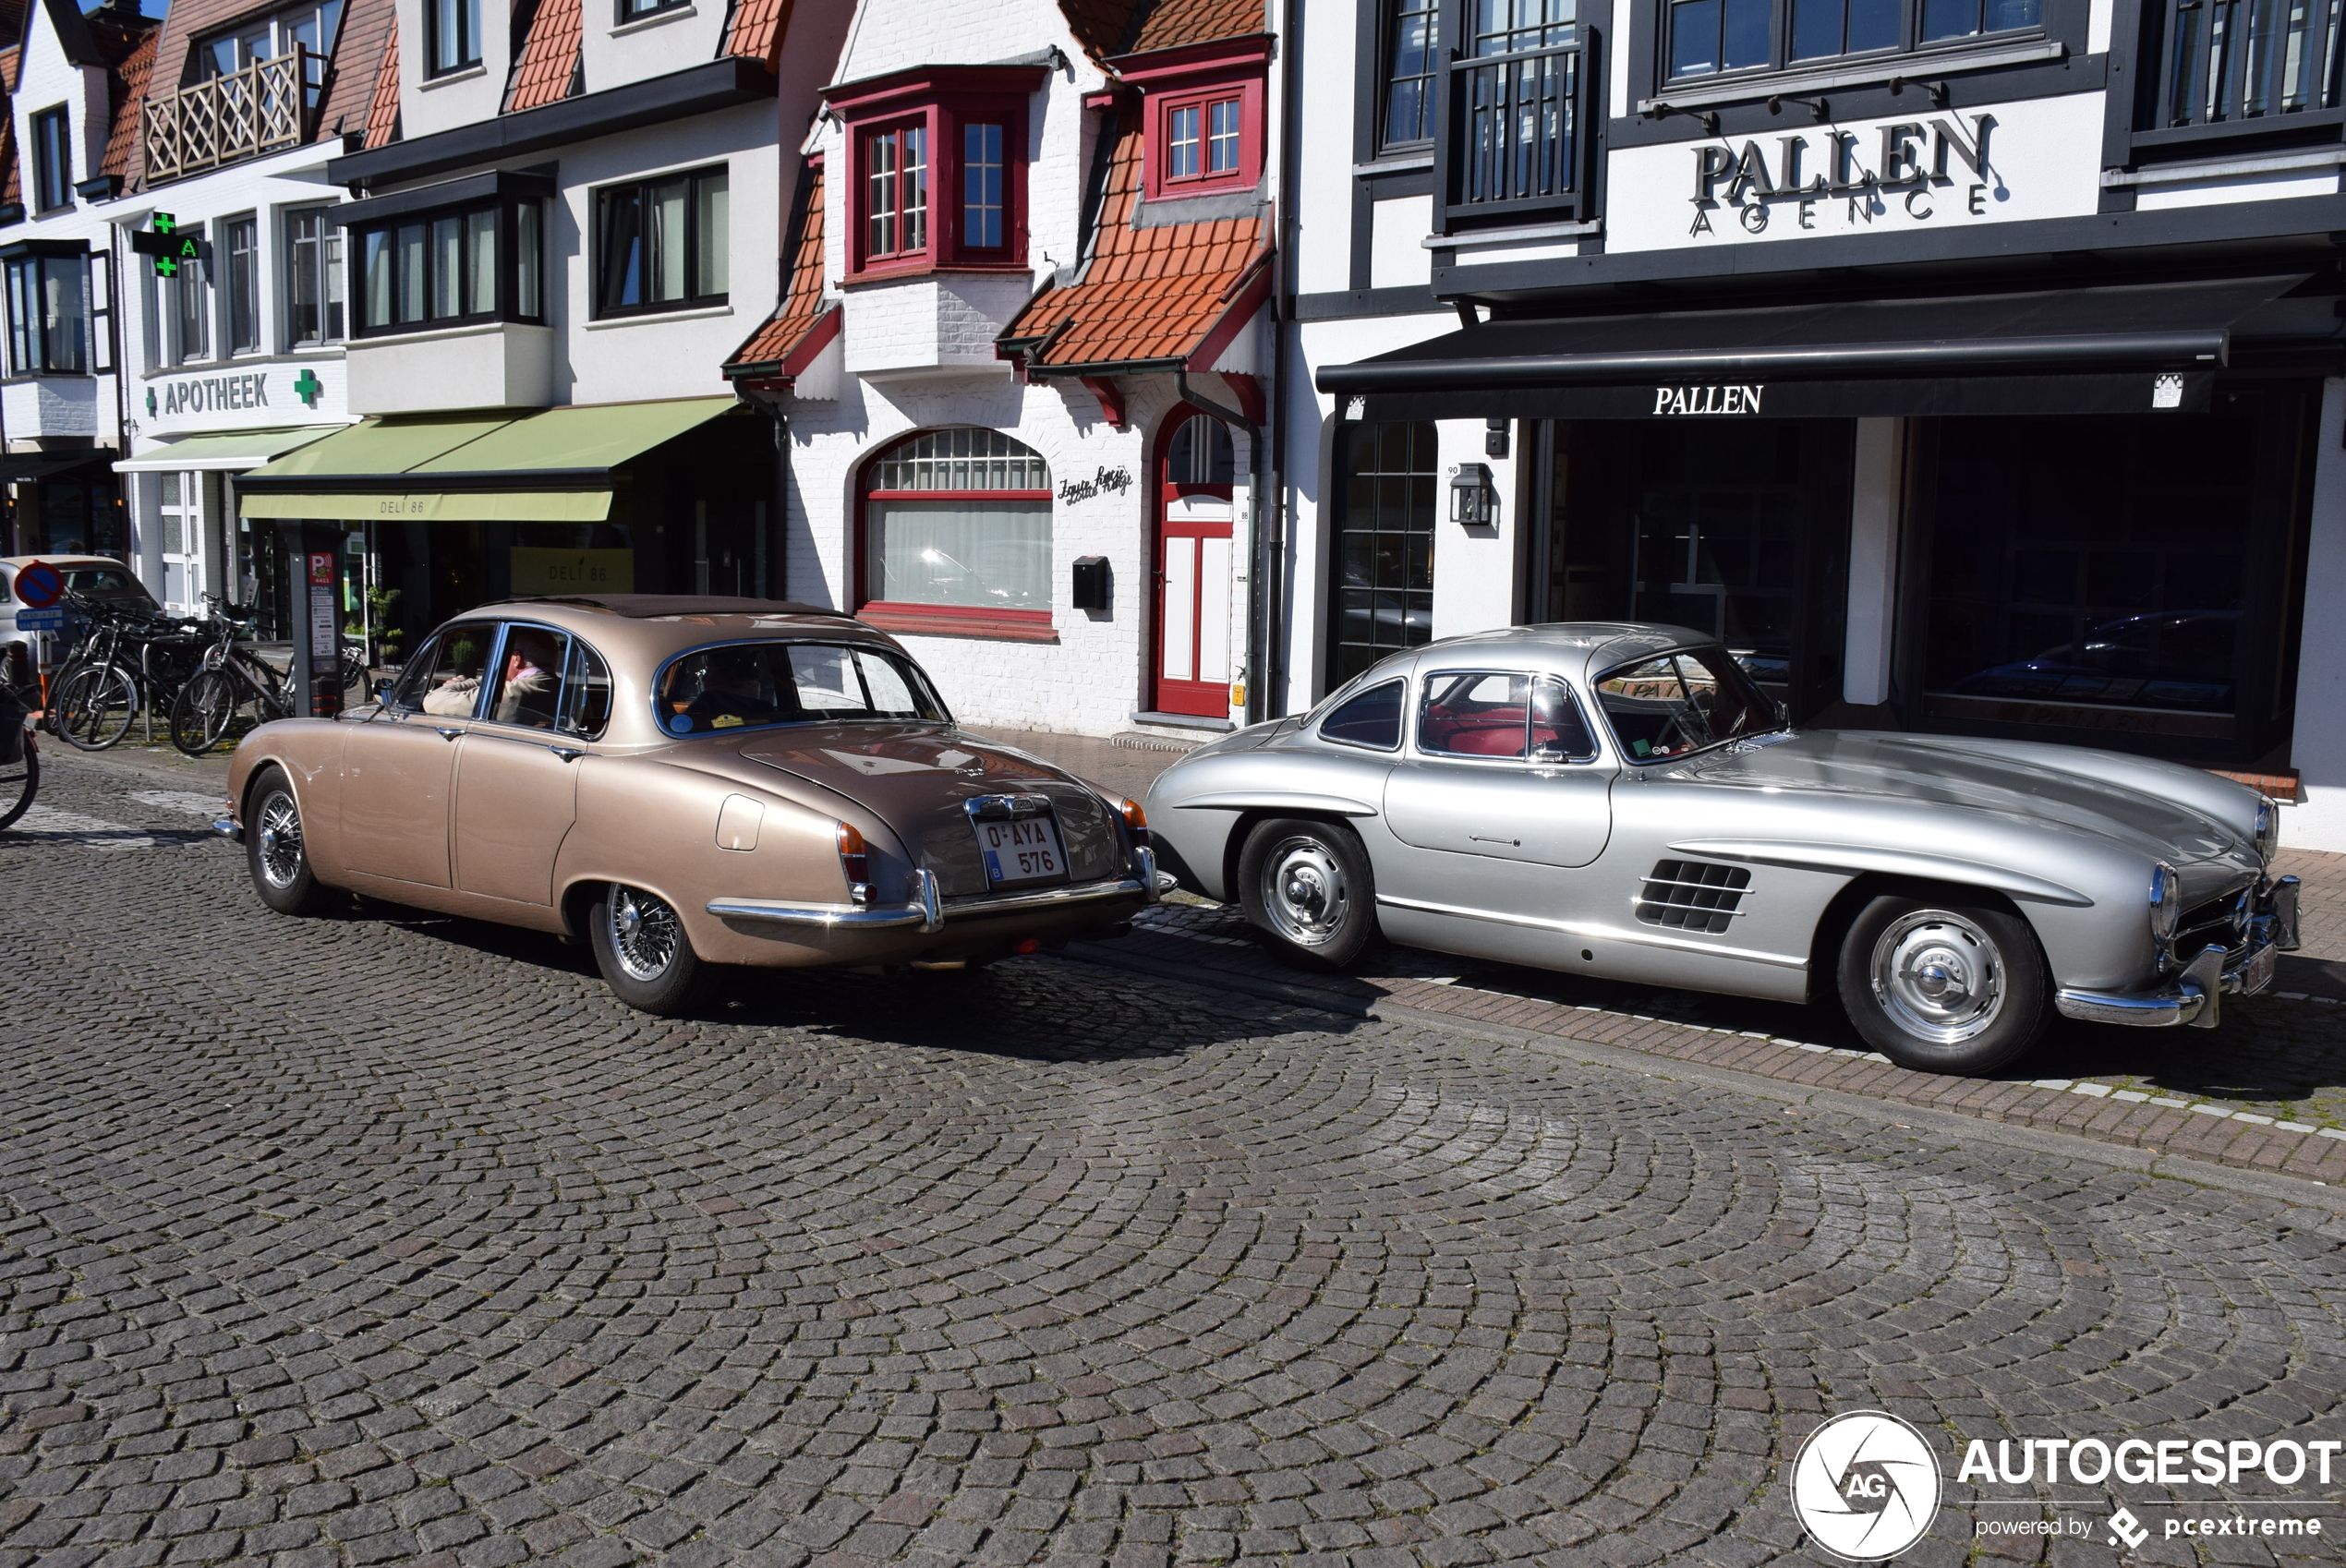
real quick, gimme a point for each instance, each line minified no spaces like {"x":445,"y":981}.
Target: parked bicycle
{"x":20,"y":750}
{"x":132,"y":661}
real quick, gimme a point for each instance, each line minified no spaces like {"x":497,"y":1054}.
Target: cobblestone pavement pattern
{"x":392,"y":1239}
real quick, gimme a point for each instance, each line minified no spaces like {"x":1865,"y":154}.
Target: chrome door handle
{"x":568,"y":754}
{"x":444,"y":732}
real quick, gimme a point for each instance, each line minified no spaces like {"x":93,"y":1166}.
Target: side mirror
{"x":382,"y":690}
{"x":1784,"y":716}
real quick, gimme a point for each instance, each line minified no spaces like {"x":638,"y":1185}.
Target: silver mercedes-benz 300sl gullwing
{"x":1622,"y":800}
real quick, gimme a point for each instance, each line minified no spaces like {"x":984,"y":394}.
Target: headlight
{"x":2166,"y":902}
{"x":2268,"y":831}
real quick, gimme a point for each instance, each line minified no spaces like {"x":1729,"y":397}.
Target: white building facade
{"x":1969,"y":369}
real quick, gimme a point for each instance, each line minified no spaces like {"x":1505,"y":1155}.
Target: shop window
{"x":1383,"y":564}
{"x":957,"y":522}
{"x":240,"y":275}
{"x":1408,"y":108}
{"x":2245,"y":61}
{"x":660,"y":245}
{"x":1707,"y":37}
{"x":940,"y":169}
{"x":452,"y":36}
{"x":1207,"y":139}
{"x":2098,"y":575}
{"x":449,"y":269}
{"x":313,"y":279}
{"x":52,"y":160}
{"x":48,"y":314}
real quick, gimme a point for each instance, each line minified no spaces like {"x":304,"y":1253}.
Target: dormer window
{"x":1203,"y":114}
{"x":940,"y":157}
{"x":309,"y":28}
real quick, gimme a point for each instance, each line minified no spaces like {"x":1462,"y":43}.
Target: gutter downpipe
{"x":1257,"y":627}
{"x":1271,"y":676}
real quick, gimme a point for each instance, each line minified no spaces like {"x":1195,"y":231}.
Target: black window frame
{"x":628,"y":11}
{"x":52,"y":135}
{"x":240,"y":252}
{"x":2166,"y":25}
{"x":32,"y":346}
{"x":638,"y":190}
{"x":1392,"y":15}
{"x":438,"y":62}
{"x":323,"y":269}
{"x":1386,"y":524}
{"x":1779,"y":56}
{"x":518,"y":225}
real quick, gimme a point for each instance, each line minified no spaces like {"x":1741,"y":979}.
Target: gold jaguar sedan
{"x":683,"y":782}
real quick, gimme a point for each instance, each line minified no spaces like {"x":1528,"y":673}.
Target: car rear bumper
{"x":2195,"y":996}
{"x":929,"y":914}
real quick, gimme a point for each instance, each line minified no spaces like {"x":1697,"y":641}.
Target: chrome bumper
{"x":227,"y":829}
{"x":2196,"y":995}
{"x":930,"y":912}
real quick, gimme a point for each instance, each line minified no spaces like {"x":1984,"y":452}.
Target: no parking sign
{"x":40,"y":585}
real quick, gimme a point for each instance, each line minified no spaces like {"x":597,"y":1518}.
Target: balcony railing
{"x":1519,"y":129}
{"x":264,"y":108}
{"x":2248,"y":60}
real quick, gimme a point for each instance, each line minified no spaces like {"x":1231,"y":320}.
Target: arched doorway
{"x":1194,"y":663}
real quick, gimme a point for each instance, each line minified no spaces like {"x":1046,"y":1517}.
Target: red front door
{"x":1194,"y":654}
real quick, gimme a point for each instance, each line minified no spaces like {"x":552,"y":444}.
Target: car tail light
{"x":1136,"y":821}
{"x":853,"y":857}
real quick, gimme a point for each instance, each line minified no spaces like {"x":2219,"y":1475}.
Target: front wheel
{"x":20,"y":781}
{"x":641,"y":947}
{"x":1307,"y":885}
{"x":201,"y":714}
{"x":95,"y":707}
{"x":275,"y":851}
{"x":1943,"y":983}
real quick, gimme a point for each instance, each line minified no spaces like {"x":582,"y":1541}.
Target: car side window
{"x":529,"y":677}
{"x":1559,"y":731}
{"x":408,"y":694}
{"x":450,"y":687}
{"x":1372,"y":718}
{"x":585,"y":707}
{"x":1474,"y":713}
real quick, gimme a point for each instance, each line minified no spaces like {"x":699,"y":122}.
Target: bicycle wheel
{"x":95,"y":709}
{"x":18,"y":782}
{"x":202,"y":712}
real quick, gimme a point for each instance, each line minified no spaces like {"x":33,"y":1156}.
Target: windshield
{"x":1682,"y":702}
{"x":758,"y":683}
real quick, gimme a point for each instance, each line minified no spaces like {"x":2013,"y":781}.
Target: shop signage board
{"x":51,"y":619}
{"x":1926,"y":171}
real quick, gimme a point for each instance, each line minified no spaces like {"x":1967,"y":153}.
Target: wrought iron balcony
{"x":264,"y":108}
{"x":1518,"y":142}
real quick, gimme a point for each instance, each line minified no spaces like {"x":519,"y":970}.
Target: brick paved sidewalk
{"x":2266,"y":1091}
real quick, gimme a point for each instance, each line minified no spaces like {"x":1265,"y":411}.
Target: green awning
{"x":226,"y":449}
{"x":554,"y":466}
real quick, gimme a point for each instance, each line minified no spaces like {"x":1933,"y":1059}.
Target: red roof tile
{"x":1100,"y":26}
{"x":127,"y":84}
{"x":802,"y":308}
{"x":11,"y":184}
{"x":1146,"y":294}
{"x":753,"y":31}
{"x":382,"y":109}
{"x":546,"y":72}
{"x":351,"y":74}
{"x":1172,"y":23}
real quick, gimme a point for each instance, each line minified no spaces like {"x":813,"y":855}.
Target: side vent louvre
{"x":1692,"y":895}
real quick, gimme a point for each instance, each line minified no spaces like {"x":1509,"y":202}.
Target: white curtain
{"x":995,"y":554}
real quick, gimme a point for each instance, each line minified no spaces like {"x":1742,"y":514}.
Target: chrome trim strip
{"x":1275,"y":799}
{"x":926,"y":910}
{"x":1601,"y":933}
{"x":1847,"y":860}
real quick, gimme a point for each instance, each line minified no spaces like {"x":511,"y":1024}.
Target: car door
{"x":399,"y":768}
{"x":517,"y":764}
{"x":1499,"y":787}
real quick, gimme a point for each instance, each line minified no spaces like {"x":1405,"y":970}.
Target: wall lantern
{"x":1472,"y":502}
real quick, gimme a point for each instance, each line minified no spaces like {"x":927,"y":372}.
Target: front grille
{"x":2220,"y":922}
{"x":1692,"y":895}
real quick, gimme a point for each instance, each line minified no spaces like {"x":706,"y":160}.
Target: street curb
{"x":2295,"y":1191}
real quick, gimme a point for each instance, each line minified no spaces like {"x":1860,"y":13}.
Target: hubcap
{"x":1307,"y":895}
{"x":280,"y":840}
{"x":1939,"y":976}
{"x":644,"y":933}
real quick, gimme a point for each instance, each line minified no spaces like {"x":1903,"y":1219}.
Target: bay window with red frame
{"x":940,"y":169}
{"x":1203,"y":114}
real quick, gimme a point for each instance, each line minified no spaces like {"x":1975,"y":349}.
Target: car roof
{"x":652,"y":627}
{"x":1576,"y":649}
{"x":18,"y":562}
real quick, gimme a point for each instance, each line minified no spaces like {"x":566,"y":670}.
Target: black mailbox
{"x":1092,"y":589}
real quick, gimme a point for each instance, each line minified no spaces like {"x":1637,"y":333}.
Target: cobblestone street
{"x":389,"y":1238}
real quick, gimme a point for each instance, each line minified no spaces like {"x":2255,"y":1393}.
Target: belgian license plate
{"x":1024,"y":849}
{"x":2259,"y":973}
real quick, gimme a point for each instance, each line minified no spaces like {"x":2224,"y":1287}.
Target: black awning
{"x":23,"y":467}
{"x":2087,"y":350}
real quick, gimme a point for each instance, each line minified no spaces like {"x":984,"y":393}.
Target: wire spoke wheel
{"x":645,"y":933}
{"x":95,"y":709}
{"x":277,"y":826}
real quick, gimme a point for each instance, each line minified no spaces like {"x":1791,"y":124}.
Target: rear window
{"x":104,"y":582}
{"x":748,"y":684}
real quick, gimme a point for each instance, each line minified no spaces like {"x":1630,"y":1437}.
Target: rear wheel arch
{"x":1234,"y":848}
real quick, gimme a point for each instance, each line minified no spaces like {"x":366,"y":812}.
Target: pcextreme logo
{"x":1865,"y":1485}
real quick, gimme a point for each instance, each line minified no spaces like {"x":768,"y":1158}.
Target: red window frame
{"x":1198,"y":77}
{"x":934,"y":619}
{"x":904,"y":218}
{"x":943,"y":103}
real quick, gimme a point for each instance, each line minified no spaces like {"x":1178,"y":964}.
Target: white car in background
{"x":97,"y":576}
